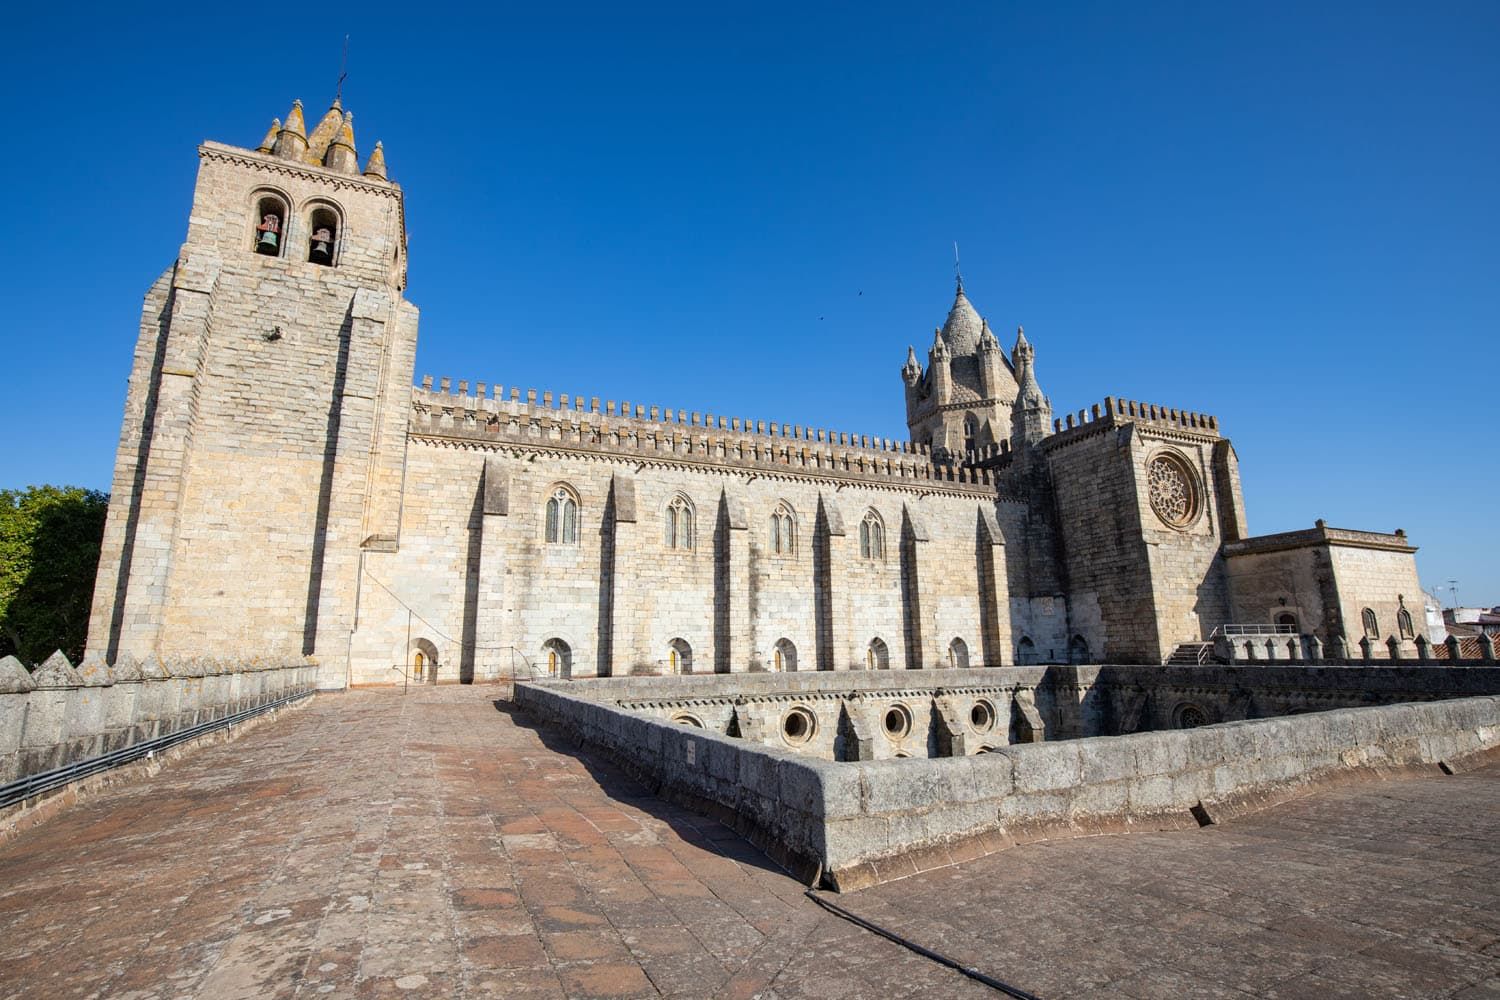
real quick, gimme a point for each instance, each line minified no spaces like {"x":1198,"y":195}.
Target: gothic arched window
{"x":871,"y":536}
{"x":562,"y":517}
{"x":783,"y":530}
{"x":1372,"y":627}
{"x":971,"y":433}
{"x":679,"y":523}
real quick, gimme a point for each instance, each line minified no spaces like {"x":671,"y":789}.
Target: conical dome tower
{"x":962,"y":402}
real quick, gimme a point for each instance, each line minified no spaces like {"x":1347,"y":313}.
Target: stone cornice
{"x":292,"y":168}
{"x":1320,"y":535}
{"x":770,"y":470}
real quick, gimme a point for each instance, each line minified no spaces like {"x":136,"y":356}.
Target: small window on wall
{"x":1404,"y":625}
{"x":270,"y":225}
{"x":562,"y":517}
{"x":1372,"y":627}
{"x":323,"y":233}
{"x":679,"y":526}
{"x":958,"y":654}
{"x":871,"y":537}
{"x":971,"y":433}
{"x":878,"y":655}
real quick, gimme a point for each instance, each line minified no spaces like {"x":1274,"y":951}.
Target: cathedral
{"x":283,"y":487}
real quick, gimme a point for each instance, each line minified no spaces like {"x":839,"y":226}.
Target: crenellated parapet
{"x":1116,"y":412}
{"x":563,"y":422}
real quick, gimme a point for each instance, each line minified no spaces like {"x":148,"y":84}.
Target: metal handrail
{"x":1243,"y":630}
{"x":45,"y":781}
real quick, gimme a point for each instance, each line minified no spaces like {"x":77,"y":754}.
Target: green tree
{"x":49,"y":552}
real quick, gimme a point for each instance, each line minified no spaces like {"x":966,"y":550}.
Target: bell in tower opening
{"x":320,"y":246}
{"x":268,"y":239}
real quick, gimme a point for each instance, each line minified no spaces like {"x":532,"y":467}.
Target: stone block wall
{"x":59,"y":714}
{"x":264,"y":433}
{"x":873,"y":820}
{"x":489,"y":593}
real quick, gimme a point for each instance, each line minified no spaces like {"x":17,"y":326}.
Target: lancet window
{"x":679,"y":523}
{"x":871,"y":537}
{"x":783,"y":530}
{"x":562,"y":517}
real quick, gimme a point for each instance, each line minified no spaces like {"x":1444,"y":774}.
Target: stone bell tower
{"x":264,"y":432}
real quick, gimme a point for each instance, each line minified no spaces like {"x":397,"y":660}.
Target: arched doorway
{"x":680,"y":656}
{"x":558,"y":658}
{"x":1078,"y":650}
{"x":1287,"y":618}
{"x":1025,"y":652}
{"x":422,"y":662}
{"x":878,"y":655}
{"x":784,"y":656}
{"x":958,"y":654}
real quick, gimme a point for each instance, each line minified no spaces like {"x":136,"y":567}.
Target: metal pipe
{"x":45,"y":781}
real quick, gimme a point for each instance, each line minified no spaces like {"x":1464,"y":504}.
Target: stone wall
{"x":868,"y":822}
{"x":963,"y":712}
{"x":58,"y":715}
{"x":489,"y":593}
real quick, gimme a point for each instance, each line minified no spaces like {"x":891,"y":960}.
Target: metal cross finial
{"x":338,"y":91}
{"x":957,"y":270}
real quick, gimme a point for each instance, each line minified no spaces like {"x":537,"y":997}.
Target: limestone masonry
{"x":282,"y":489}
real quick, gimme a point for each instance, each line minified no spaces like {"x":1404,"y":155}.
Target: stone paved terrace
{"x":434,"y":845}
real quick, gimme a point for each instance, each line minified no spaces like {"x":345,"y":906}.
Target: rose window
{"x":1171,"y":490}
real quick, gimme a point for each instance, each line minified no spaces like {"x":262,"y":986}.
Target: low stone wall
{"x":872,"y":821}
{"x":893,"y":818}
{"x":60,"y":714}
{"x":776,"y":799}
{"x":1016,"y":704}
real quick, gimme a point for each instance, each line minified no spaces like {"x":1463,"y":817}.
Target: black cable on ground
{"x":892,"y":936}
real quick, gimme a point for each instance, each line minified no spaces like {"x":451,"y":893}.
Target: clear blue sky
{"x":1282,"y":215}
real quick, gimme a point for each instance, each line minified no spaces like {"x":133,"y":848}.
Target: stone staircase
{"x":1191,"y":654}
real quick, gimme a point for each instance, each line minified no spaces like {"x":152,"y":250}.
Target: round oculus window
{"x":798,"y":726}
{"x":897,"y":722}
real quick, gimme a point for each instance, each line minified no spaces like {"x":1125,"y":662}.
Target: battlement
{"x":1114,"y":412}
{"x":493,"y":413}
